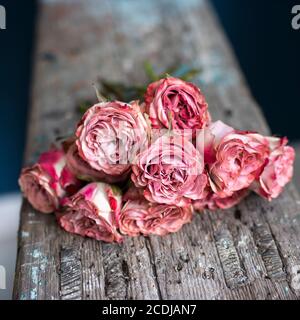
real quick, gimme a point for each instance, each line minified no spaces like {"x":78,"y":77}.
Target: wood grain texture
{"x":247,"y":252}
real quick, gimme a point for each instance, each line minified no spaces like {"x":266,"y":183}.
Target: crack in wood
{"x":154,"y":268}
{"x":237,"y":213}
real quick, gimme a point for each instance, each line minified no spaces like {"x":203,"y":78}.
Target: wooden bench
{"x":249,"y":252}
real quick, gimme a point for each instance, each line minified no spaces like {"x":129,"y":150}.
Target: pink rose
{"x":140,"y":217}
{"x":213,"y":202}
{"x":278,"y":170}
{"x":92,"y":211}
{"x":45,"y":183}
{"x":180,"y":100}
{"x":132,"y":216}
{"x":110,"y":134}
{"x":83,"y":171}
{"x":163,"y":219}
{"x":171,"y":171}
{"x":234,"y":158}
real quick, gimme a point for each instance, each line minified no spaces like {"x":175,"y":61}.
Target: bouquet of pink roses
{"x":143,"y":168}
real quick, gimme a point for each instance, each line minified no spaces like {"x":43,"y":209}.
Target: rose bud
{"x":278,"y":170}
{"x":140,"y":217}
{"x":49,"y":180}
{"x":83,"y":171}
{"x":213,"y":202}
{"x":171,"y":170}
{"x":179,"y":99}
{"x":91,"y":212}
{"x":234,"y":158}
{"x":110,"y":134}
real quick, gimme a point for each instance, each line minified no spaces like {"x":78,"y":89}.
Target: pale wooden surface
{"x":247,"y":252}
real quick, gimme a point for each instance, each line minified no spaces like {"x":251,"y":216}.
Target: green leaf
{"x":186,"y":73}
{"x":83,"y":106}
{"x":191,"y":74}
{"x":116,"y":190}
{"x":122,"y":92}
{"x":150,"y":71}
{"x":183,"y":72}
{"x":86,"y":178}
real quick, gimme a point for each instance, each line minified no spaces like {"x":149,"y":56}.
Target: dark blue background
{"x":16,"y":43}
{"x":260,"y":31}
{"x":268,"y":50}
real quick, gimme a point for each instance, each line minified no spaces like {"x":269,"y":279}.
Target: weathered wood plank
{"x":70,"y":274}
{"x":247,"y":252}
